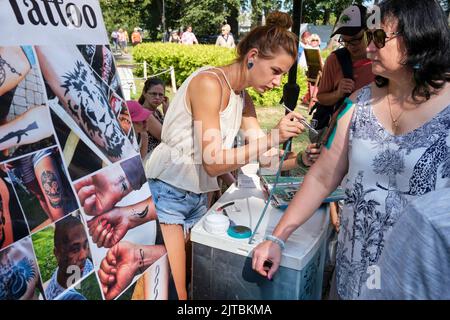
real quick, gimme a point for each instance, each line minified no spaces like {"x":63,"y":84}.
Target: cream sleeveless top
{"x":178,"y":158}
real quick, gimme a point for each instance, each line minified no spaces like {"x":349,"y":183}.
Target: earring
{"x":250,"y":65}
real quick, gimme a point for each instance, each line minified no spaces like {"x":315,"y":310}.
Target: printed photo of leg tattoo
{"x":80,"y":92}
{"x":14,"y":66}
{"x":51,"y":186}
{"x":30,"y":127}
{"x":19,"y":275}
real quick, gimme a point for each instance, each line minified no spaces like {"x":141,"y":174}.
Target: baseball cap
{"x":137,"y":112}
{"x":351,"y":21}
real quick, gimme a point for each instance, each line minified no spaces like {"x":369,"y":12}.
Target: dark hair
{"x":62,"y":227}
{"x":270,"y":38}
{"x":148,"y":84}
{"x":424,"y":28}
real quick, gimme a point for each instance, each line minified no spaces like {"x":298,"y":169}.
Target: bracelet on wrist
{"x":275,"y":240}
{"x":299,"y":161}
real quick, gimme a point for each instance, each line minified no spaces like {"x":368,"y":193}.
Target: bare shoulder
{"x":205,"y":82}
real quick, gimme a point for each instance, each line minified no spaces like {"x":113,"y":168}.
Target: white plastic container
{"x":221,"y":265}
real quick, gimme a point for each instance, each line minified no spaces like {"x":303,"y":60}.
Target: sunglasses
{"x":380,"y":37}
{"x":353,"y":42}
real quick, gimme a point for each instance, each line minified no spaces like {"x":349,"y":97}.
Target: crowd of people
{"x":386,"y":142}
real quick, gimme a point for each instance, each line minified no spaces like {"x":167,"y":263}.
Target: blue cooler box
{"x":222,"y":265}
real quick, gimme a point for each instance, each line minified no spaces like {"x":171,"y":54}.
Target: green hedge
{"x":187,"y":59}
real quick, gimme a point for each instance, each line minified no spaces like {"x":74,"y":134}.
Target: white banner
{"x":51,"y":22}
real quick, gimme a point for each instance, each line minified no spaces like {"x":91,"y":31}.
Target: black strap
{"x":345,"y":60}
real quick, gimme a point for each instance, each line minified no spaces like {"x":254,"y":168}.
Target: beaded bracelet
{"x":299,"y":161}
{"x":275,"y":240}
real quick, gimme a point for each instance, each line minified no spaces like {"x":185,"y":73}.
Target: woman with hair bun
{"x":391,"y":145}
{"x":201,"y":124}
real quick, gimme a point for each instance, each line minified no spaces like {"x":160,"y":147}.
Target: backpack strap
{"x":345,"y":60}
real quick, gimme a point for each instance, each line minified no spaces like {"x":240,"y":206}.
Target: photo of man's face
{"x":74,"y":250}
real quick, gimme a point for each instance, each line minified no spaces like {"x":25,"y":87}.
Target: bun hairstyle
{"x":279,"y":19}
{"x":269,"y":39}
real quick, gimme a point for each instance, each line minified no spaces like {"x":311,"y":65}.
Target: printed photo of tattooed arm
{"x":34,"y":124}
{"x":6,"y":230}
{"x":102,"y":191}
{"x":109,"y":228}
{"x":14,"y":66}
{"x":80,"y":92}
{"x":123,"y":262}
{"x":19,"y":275}
{"x":30,"y":127}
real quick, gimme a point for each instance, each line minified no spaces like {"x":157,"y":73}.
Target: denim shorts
{"x":177,"y":206}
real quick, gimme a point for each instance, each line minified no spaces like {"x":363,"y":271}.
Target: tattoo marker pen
{"x":302,"y":121}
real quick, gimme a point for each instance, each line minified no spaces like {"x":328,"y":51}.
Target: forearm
{"x":308,"y":199}
{"x":301,"y":208}
{"x":329,"y":98}
{"x":140,"y":213}
{"x":218,"y":162}
{"x":14,"y":66}
{"x":30,"y":127}
{"x":65,"y":70}
{"x":147,"y":255}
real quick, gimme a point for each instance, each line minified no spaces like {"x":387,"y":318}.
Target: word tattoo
{"x":89,"y":106}
{"x":19,"y":133}
{"x":3,"y":71}
{"x":51,"y":186}
{"x":14,"y":278}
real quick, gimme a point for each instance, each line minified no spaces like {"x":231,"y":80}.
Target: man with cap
{"x":139,"y":116}
{"x":333,"y":87}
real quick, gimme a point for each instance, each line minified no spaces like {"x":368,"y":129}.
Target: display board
{"x":77,"y":219}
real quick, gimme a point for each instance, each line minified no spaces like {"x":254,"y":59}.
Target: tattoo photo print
{"x":12,"y":222}
{"x":25,"y":124}
{"x":19,"y":273}
{"x":42,"y":187}
{"x":83,"y":94}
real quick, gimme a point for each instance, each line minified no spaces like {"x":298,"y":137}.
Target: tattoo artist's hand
{"x":311,"y":154}
{"x":118,"y":268}
{"x":99,"y":193}
{"x":289,"y":126}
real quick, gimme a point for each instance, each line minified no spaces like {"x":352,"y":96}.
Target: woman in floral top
{"x":390,"y":146}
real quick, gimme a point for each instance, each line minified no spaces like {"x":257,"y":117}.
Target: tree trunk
{"x":326,"y":17}
{"x":233,"y":21}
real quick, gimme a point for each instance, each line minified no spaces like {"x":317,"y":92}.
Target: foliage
{"x":206,"y":16}
{"x":187,"y":59}
{"x":43,"y":246}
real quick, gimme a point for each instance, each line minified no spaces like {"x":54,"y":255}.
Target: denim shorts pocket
{"x":172,"y":193}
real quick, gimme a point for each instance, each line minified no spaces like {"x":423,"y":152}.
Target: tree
{"x":125,"y":14}
{"x":207,"y":16}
